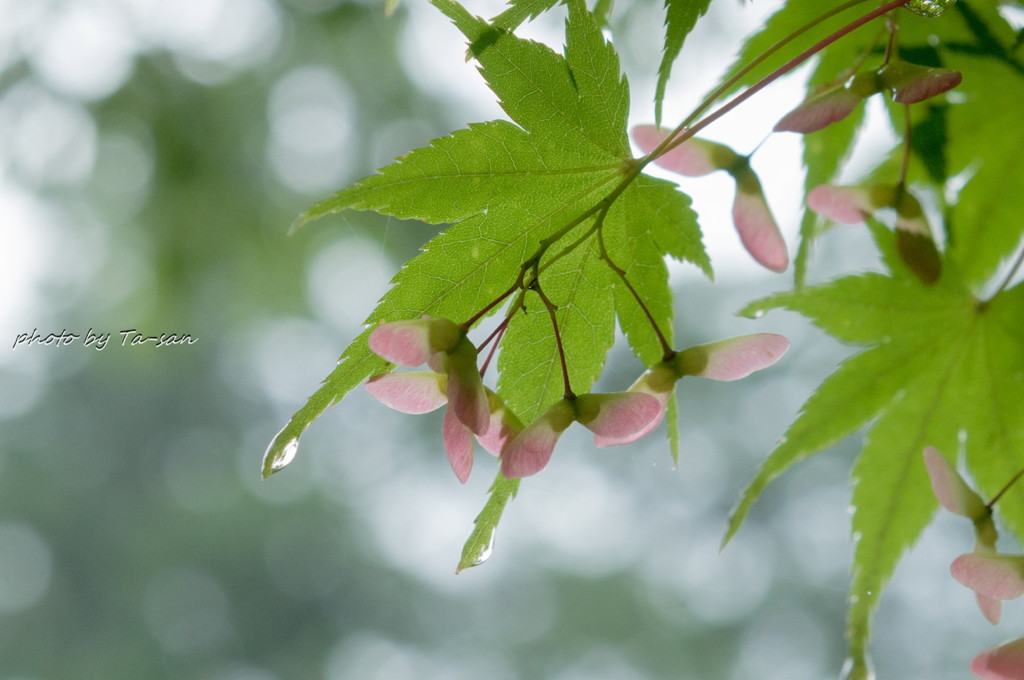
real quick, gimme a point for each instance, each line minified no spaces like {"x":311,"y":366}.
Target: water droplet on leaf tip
{"x":485,"y":552}
{"x":286,"y":455}
{"x":484,"y":555}
{"x":857,"y":670}
{"x":929,"y":8}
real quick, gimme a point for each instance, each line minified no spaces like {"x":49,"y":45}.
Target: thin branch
{"x":494,"y":303}
{"x":1006,"y":488}
{"x":666,"y":348}
{"x":754,"y":63}
{"x":682,"y":133}
{"x":498,"y":333}
{"x":535,"y":287}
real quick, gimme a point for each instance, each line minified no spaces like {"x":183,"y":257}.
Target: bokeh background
{"x":152,"y":156}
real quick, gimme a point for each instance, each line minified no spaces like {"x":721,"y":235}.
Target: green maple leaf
{"x":940,"y":367}
{"x":507,"y":188}
{"x":680,"y":18}
{"x":519,"y":11}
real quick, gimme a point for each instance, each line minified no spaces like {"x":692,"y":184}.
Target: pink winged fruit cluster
{"x":476,"y":412}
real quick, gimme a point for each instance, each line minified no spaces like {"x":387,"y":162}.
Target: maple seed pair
{"x":455,"y":380}
{"x":908,"y":83}
{"x":953,"y":494}
{"x":623,"y":417}
{"x":854,"y":204}
{"x":614,"y":418}
{"x":753,"y":219}
{"x":992,"y":577}
{"x":725,"y":360}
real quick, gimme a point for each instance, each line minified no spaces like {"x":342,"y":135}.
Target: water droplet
{"x":858,"y":669}
{"x":929,"y":8}
{"x":485,"y":554}
{"x":487,"y":549}
{"x":758,"y":313}
{"x":285,"y":455}
{"x":482,"y":556}
{"x":282,"y":457}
